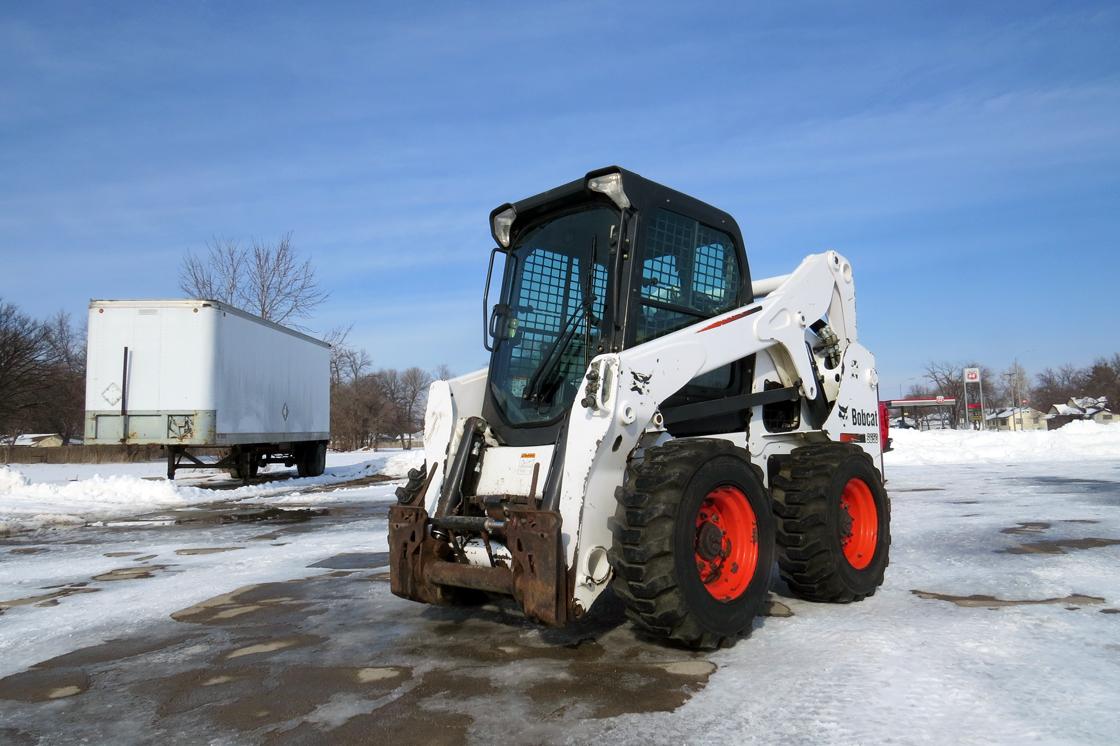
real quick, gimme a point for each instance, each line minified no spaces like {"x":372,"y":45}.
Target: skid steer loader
{"x":651,"y":420}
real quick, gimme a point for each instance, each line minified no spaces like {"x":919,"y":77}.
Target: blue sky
{"x":965,"y":156}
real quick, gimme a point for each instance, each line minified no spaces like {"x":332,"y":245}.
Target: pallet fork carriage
{"x":651,"y":420}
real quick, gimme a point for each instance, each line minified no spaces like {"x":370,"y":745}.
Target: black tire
{"x":655,"y":554}
{"x":312,"y":459}
{"x":245,"y":464}
{"x":813,"y":526}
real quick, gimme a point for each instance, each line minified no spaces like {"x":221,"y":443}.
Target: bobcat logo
{"x":843,"y":412}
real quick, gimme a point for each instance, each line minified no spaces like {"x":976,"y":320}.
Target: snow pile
{"x":1080,"y":439}
{"x":25,"y":504}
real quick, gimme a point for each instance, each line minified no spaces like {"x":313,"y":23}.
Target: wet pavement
{"x":336,"y":656}
{"x":273,"y":622}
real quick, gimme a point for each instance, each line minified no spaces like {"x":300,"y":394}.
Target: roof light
{"x":610,"y":185}
{"x":502,"y":222}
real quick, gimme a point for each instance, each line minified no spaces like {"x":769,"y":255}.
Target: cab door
{"x":686,"y":271}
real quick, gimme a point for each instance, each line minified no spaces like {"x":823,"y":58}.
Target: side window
{"x":689,"y":273}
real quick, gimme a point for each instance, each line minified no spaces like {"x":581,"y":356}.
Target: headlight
{"x":502,"y":223}
{"x":610,"y":185}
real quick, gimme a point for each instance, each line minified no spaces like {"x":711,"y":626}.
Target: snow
{"x":1077,"y":440}
{"x":897,"y":668}
{"x":38,"y":495}
{"x":894,"y":668}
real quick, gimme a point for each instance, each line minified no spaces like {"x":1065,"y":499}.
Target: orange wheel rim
{"x":859,"y":523}
{"x":726,"y":543}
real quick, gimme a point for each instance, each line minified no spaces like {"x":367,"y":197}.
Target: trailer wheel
{"x":693,"y":542}
{"x":834,"y":522}
{"x":245,"y":464}
{"x":312,"y":459}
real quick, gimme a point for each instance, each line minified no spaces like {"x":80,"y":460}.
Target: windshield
{"x":555,"y":289}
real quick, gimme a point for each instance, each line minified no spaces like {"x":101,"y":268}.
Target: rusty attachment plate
{"x":422,"y":567}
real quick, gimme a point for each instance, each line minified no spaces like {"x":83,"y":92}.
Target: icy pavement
{"x":999,"y":622}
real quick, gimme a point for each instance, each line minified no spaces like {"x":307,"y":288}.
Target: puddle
{"x":1030,"y":527}
{"x":130,"y":573}
{"x":1058,"y":546}
{"x":991,"y":602}
{"x":269,"y":647}
{"x":275,"y":514}
{"x":205,"y":550}
{"x":354,"y":561}
{"x":1070,"y":484}
{"x":232,"y":606}
{"x":43,"y":685}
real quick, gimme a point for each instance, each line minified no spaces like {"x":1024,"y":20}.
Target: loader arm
{"x":623,"y":391}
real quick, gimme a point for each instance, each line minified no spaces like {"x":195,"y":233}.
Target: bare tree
{"x":63,"y":411}
{"x":414,"y":395}
{"x":266,"y":279}
{"x":25,"y":354}
{"x":220,"y":275}
{"x":348,"y":363}
{"x":442,"y":373}
{"x":1056,"y":386}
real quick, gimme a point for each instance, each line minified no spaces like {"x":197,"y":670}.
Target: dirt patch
{"x":130,"y":573}
{"x":28,"y":550}
{"x":205,"y":550}
{"x":960,"y":502}
{"x":120,"y":554}
{"x":918,"y":489}
{"x":1110,"y":611}
{"x":145,"y":558}
{"x":46,"y":599}
{"x":991,"y":602}
{"x":1058,"y":546}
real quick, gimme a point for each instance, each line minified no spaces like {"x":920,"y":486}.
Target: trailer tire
{"x":693,"y":545}
{"x":312,"y":459}
{"x":245,"y":464}
{"x":834,"y":522}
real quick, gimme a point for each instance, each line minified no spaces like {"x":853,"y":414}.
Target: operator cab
{"x":598,"y":265}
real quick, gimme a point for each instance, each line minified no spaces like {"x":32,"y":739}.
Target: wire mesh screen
{"x":688,"y":265}
{"x":551,"y":295}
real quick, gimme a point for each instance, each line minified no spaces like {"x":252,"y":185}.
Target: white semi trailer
{"x":198,"y":373}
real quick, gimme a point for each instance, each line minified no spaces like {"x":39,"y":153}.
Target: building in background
{"x":1016,"y":418}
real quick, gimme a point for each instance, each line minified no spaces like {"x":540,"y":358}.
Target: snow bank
{"x":1077,"y":440}
{"x":25,"y":504}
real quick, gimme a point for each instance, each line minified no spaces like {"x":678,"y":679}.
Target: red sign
{"x":973,"y":405}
